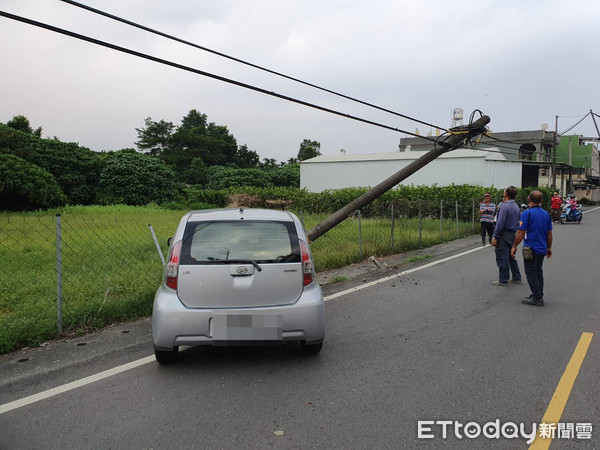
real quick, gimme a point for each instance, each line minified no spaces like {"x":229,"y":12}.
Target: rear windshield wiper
{"x":234,"y":261}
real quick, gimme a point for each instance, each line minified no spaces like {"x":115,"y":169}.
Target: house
{"x":581,"y":154}
{"x":533,"y":149}
{"x":576,"y":164}
{"x":518,"y":158}
{"x":486,"y":167}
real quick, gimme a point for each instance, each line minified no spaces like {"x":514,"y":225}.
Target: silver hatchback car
{"x":238,"y":277}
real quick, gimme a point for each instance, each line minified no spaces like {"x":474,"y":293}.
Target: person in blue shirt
{"x":536,"y":227}
{"x":507,"y":222}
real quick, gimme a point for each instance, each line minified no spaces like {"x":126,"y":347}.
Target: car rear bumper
{"x":174,"y":324}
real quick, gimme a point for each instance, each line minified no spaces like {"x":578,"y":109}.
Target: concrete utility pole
{"x":453,"y":142}
{"x":554,"y":154}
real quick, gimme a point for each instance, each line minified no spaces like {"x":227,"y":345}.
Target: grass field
{"x":111,"y":267}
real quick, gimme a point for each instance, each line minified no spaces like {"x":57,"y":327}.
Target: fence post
{"x":162,"y":257}
{"x":420,"y":224}
{"x":473,"y":216}
{"x":59,"y":298}
{"x":393,"y":218}
{"x":302,"y":220}
{"x":360,"y":252}
{"x":441,"y":217}
{"x":456,"y":206}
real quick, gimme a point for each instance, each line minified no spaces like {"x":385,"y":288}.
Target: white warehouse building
{"x":484,"y":167}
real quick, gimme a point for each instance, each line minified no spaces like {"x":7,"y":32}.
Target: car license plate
{"x":240,"y":328}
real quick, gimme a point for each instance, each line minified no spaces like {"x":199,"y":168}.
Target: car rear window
{"x":260,"y":241}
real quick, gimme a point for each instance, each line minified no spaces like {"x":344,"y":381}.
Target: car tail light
{"x":172,"y":270}
{"x":308,"y":271}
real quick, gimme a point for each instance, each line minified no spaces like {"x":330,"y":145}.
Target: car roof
{"x":239,"y":213}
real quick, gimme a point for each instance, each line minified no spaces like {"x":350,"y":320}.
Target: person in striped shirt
{"x":487,"y":210}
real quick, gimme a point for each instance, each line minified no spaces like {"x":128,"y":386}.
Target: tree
{"x":25,"y":186}
{"x":309,"y":149}
{"x":195,"y":138}
{"x":136,"y":179}
{"x":194,"y":119}
{"x":75,"y":168}
{"x":268,"y":163}
{"x":245,"y":158}
{"x":196,"y":174}
{"x":21,"y":123}
{"x":156,"y":137}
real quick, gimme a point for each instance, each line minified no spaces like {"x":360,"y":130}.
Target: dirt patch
{"x":254,"y":201}
{"x":372,"y":268}
{"x":244,"y":201}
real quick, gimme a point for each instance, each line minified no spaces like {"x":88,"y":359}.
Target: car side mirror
{"x":169,"y":241}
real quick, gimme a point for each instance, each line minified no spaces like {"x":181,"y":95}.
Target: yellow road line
{"x":563,"y":390}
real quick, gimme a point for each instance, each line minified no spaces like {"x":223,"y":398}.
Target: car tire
{"x":166,"y":356}
{"x":310,"y":349}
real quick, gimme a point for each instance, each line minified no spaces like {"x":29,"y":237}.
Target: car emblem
{"x":241,"y":270}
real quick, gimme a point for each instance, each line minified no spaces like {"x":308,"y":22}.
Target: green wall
{"x":579,"y":152}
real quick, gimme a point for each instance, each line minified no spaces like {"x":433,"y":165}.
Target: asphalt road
{"x":437,"y":344}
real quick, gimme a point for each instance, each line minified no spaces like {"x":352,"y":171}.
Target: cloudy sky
{"x":520,"y":62}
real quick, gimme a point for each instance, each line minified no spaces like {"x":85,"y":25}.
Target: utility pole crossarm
{"x":457,"y":138}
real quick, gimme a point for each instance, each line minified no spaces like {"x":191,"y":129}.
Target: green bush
{"x":25,"y":186}
{"x":221,"y":177}
{"x":75,"y":168}
{"x":208,"y":196}
{"x":286,"y":176}
{"x":408,"y":201}
{"x":136,"y":179}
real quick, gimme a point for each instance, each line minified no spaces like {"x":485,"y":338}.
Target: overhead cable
{"x":570,"y":128}
{"x":200,"y":72}
{"x":241,"y":61}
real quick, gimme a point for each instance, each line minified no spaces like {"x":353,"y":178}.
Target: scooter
{"x":567,"y":216}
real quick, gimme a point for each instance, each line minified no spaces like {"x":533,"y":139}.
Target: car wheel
{"x":166,"y":356}
{"x":310,"y":349}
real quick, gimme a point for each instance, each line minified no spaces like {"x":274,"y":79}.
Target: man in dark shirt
{"x":507,"y":222}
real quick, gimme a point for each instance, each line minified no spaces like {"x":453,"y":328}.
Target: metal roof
{"x":489,"y":153}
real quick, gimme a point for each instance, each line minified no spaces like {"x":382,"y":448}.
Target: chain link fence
{"x":395,"y":227}
{"x":74,"y":272}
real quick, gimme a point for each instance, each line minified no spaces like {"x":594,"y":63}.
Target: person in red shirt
{"x":556,"y":207}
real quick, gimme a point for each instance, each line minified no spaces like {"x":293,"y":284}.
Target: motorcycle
{"x":569,"y":216}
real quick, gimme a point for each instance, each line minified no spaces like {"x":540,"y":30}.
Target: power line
{"x":569,"y":129}
{"x":241,"y":61}
{"x":515,"y":152}
{"x":200,"y":72}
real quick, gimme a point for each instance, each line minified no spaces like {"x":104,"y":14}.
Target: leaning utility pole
{"x":457,"y":137}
